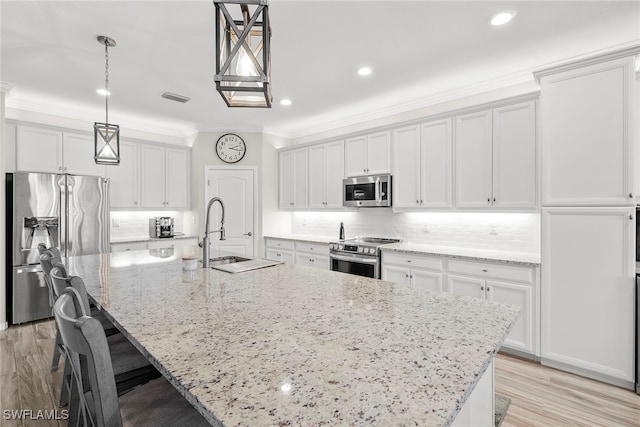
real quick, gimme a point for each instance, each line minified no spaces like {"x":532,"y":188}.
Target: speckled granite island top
{"x":292,"y":345}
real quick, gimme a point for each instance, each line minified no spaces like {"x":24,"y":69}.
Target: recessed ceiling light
{"x":103,"y":92}
{"x":364,"y":71}
{"x":285,"y":101}
{"x":503,"y":17}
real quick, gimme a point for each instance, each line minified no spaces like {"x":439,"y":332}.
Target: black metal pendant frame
{"x":107,"y":143}
{"x":231,"y":36}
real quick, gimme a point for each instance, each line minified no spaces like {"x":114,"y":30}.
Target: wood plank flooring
{"x":540,"y":396}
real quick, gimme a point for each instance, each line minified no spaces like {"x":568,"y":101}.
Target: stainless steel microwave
{"x":367,"y":191}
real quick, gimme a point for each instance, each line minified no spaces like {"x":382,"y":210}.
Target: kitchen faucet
{"x":205,"y":239}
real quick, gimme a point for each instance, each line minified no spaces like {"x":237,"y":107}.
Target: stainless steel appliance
{"x":360,"y":255}
{"x":367,"y":191}
{"x":70,"y":212}
{"x":161,"y":227}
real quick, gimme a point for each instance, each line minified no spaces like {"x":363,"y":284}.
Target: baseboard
{"x":3,"y":326}
{"x":520,"y":354}
{"x":588,"y":374}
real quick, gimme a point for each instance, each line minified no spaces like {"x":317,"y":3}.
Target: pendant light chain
{"x":106,"y":80}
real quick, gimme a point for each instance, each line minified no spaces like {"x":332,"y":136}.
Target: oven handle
{"x":349,"y":258}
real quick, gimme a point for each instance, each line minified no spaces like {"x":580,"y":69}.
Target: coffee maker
{"x":161,"y":227}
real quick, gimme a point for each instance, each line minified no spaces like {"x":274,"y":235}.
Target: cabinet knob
{"x":482,"y":288}
{"x":406,"y":275}
{"x":417,"y":202}
{"x":135,"y":203}
{"x":630,"y":216}
{"x":411,"y":276}
{"x":488,"y":289}
{"x":494,"y":199}
{"x":631,"y":195}
{"x":488,"y":199}
{"x":420,"y":201}
{"x":291,"y":203}
{"x":408,"y":260}
{"x":484,"y":270}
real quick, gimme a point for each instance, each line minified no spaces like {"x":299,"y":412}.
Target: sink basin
{"x":226,"y":260}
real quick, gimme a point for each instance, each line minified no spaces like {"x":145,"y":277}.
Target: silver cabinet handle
{"x":248,"y":234}
{"x":488,"y":199}
{"x":406,"y":275}
{"x":484,"y":270}
{"x":488,"y":289}
{"x":482,"y":288}
{"x":631,"y":195}
{"x":630,"y":216}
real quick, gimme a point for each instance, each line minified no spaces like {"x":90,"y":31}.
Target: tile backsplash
{"x":127,"y":225}
{"x":492,"y":230}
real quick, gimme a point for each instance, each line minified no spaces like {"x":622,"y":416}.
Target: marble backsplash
{"x":518,"y":232}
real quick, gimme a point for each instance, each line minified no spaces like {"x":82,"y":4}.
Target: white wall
{"x":517,"y":232}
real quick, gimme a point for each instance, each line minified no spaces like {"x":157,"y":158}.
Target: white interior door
{"x":236,"y":189}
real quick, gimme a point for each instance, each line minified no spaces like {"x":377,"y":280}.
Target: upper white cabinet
{"x":293,"y":178}
{"x":588,"y":291}
{"x":422,"y":165}
{"x":164,"y":177}
{"x":496,"y":158}
{"x":124,"y":178}
{"x":326,"y":171}
{"x":42,"y":149}
{"x":587,"y":125}
{"x":368,"y":154}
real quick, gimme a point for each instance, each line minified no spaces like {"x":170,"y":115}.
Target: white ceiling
{"x":418,"y":50}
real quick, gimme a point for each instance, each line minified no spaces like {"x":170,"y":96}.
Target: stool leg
{"x":55,"y":359}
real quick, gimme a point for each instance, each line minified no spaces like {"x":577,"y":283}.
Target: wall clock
{"x":230,"y":148}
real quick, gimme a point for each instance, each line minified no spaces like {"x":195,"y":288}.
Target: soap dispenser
{"x":341,"y":231}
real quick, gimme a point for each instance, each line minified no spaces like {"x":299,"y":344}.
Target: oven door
{"x":355,"y":264}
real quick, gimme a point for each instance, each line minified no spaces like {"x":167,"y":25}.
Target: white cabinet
{"x":368,"y":154}
{"x":164,"y":177}
{"x":293,"y":178}
{"x":326,"y":171}
{"x":588,"y":291}
{"x":587,"y":122}
{"x":418,"y":271}
{"x":496,"y":158}
{"x":172,"y":243}
{"x":312,"y":254}
{"x":129,"y":246}
{"x":280,"y":250}
{"x":422,"y":165}
{"x":508,"y":284}
{"x":124,"y":179}
{"x":42,"y":149}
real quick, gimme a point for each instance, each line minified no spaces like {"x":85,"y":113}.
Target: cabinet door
{"x":426,"y":280}
{"x":462,"y":285}
{"x":514,"y":156}
{"x":300,"y":178}
{"x":521,"y":336}
{"x":378,"y":153}
{"x":473,"y":160}
{"x":177,"y":178}
{"x":317,"y":176}
{"x":355,"y":156}
{"x":321,"y":261}
{"x":124,"y":178}
{"x":436,"y":159}
{"x":406,"y":164}
{"x":587,"y":315}
{"x":38,"y":149}
{"x":334,"y":155}
{"x":304,"y":259}
{"x":286,"y":179}
{"x":280,"y":255}
{"x":587,"y":129}
{"x":395,"y":274}
{"x":78,"y":153}
{"x":152,"y":176}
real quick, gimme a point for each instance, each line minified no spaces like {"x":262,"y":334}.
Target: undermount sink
{"x":226,"y":260}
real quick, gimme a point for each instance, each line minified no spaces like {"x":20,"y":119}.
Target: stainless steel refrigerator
{"x":70,"y":212}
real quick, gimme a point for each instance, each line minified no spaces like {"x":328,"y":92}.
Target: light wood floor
{"x":540,"y":396}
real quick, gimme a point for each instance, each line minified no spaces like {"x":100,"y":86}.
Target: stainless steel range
{"x":360,"y":255}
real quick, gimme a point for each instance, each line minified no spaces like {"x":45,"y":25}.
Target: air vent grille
{"x":175,"y":97}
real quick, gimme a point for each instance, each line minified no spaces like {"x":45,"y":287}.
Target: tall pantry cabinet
{"x":588,"y":125}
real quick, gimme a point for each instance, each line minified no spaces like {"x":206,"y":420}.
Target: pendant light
{"x":106,"y":136}
{"x":243,"y":53}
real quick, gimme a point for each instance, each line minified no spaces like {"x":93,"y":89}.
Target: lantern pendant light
{"x":243,"y":53}
{"x":106,"y":136}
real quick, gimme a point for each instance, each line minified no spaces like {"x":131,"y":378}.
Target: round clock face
{"x":231,"y":148}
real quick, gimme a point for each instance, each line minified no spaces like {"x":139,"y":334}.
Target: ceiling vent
{"x":175,"y":97}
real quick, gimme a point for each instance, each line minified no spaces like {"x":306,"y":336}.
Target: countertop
{"x":293,"y":345}
{"x":510,"y":257}
{"x":135,"y":239}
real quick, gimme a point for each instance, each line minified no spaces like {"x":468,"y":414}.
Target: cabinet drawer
{"x":495,"y":271}
{"x":415,"y":261}
{"x":122,"y":247}
{"x":314,"y":248}
{"x":280,"y":244}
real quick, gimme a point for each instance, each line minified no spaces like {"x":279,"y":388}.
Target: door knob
{"x":248,"y":234}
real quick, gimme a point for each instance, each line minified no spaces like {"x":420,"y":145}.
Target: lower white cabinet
{"x":509,"y":284}
{"x":312,"y":254}
{"x":280,"y":250}
{"x":153,"y":244}
{"x":130,"y":246}
{"x":418,"y":271}
{"x":588,"y":291}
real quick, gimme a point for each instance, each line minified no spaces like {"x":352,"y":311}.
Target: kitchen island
{"x":292,"y":345}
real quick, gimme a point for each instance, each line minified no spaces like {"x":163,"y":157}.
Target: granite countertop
{"x":292,"y":345}
{"x":510,"y":257}
{"x":135,"y":239}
